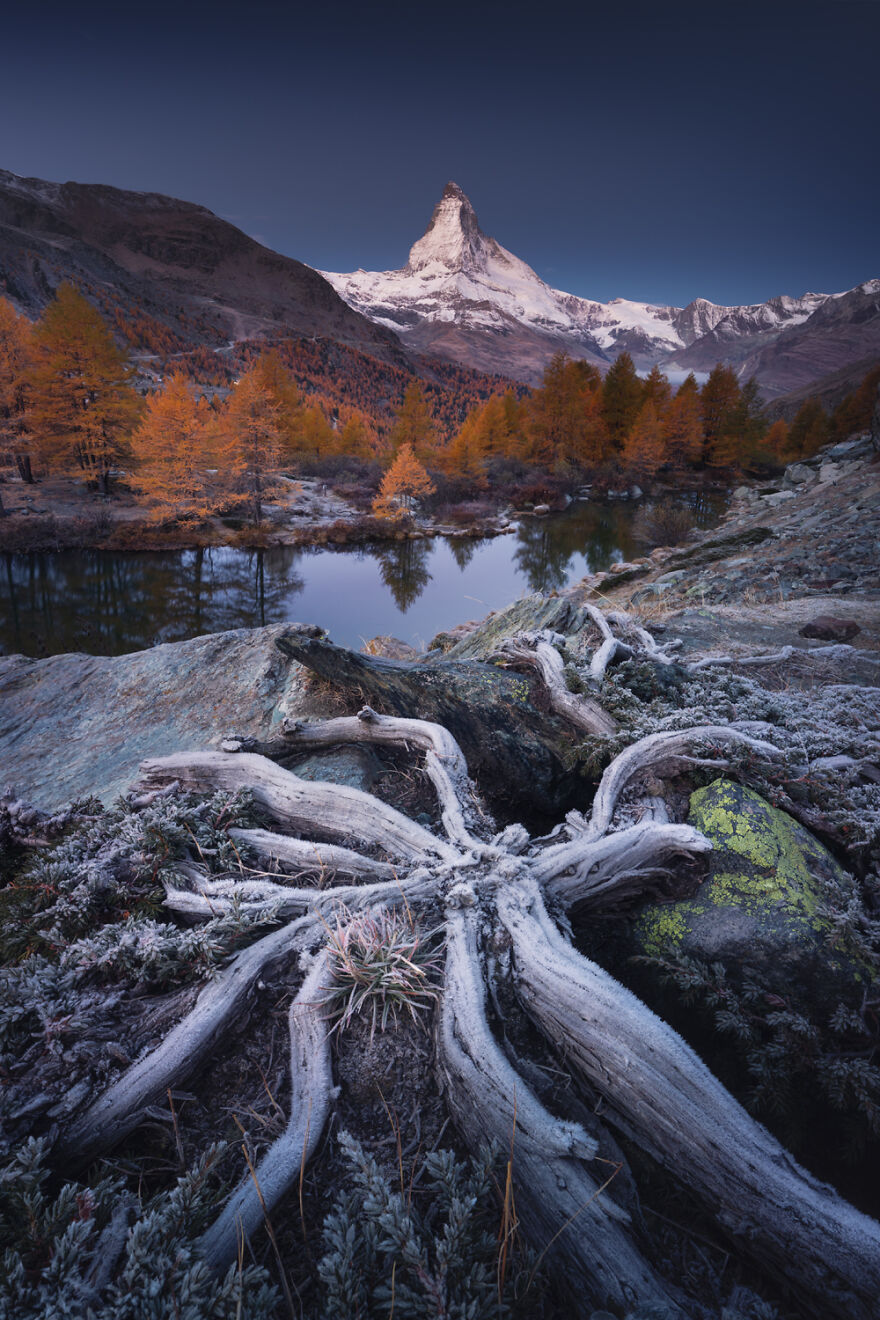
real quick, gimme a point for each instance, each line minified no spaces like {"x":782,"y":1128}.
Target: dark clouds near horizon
{"x":722,"y":150}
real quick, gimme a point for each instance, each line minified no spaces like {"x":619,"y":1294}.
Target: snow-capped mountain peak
{"x":463,"y":296}
{"x":453,"y":239}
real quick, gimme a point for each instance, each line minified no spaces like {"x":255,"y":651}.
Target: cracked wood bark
{"x":300,"y":803}
{"x":585,"y":874}
{"x":560,"y":1203}
{"x":652,"y":752}
{"x":664,"y":1097}
{"x":313,"y":858}
{"x":311,"y":1092}
{"x":186,"y":1047}
{"x":537,"y":651}
{"x":216,"y":897}
{"x":445,"y":765}
{"x":489,"y":713}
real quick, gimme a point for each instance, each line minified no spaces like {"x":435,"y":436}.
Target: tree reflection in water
{"x":404,"y":570}
{"x":107,"y":603}
{"x":463,"y":549}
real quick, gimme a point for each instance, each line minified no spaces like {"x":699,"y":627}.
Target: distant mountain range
{"x":461,"y":298}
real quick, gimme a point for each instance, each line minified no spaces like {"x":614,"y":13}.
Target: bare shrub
{"x":665,"y":523}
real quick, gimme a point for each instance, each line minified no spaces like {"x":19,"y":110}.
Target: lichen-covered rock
{"x":761,"y":905}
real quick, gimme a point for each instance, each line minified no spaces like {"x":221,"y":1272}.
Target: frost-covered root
{"x":585,"y":873}
{"x":840,"y":651}
{"x":610,"y":647}
{"x":118,"y":1110}
{"x":537,"y":651}
{"x":666,"y":1100}
{"x":460,"y":805}
{"x":214,"y":898}
{"x":561,"y":1206}
{"x":311,"y":1094}
{"x":648,"y":754}
{"x":649,"y":643}
{"x":299,"y":804}
{"x":315,"y":858}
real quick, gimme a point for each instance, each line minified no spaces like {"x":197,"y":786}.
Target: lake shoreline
{"x":107,"y":601}
{"x":48,"y":525}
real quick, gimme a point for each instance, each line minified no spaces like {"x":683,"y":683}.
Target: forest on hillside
{"x":205,"y":441}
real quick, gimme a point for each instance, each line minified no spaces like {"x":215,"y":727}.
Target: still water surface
{"x":109,"y":603}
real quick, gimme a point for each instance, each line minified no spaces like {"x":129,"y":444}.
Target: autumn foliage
{"x":83,"y":406}
{"x":404,"y":482}
{"x":223,"y":429}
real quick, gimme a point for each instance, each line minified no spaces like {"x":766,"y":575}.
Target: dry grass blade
{"x":381,"y":964}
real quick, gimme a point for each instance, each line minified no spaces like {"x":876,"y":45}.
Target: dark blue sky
{"x":723,"y":150}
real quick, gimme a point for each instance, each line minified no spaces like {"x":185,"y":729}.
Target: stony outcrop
{"x":760,"y":907}
{"x":75,"y":725}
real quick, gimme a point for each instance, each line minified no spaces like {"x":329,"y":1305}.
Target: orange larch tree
{"x":656,"y":389}
{"x":172,"y":454}
{"x":776,"y":440}
{"x":279,"y":385}
{"x":84,"y":406}
{"x":622,"y":398}
{"x":719,"y":398}
{"x":405,"y":481}
{"x":414,"y":424}
{"x":16,"y":364}
{"x":249,"y":445}
{"x":644,"y":451}
{"x":682,"y":422}
{"x":463,"y":457}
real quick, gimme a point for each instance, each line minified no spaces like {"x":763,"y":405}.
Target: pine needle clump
{"x":381,"y":965}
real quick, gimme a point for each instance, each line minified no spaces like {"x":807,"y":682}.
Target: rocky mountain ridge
{"x":464,"y":296}
{"x":190,"y":272}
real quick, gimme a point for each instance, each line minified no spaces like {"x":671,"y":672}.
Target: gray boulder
{"x":75,"y":725}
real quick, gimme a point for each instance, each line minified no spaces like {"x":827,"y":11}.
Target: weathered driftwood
{"x":538,"y":651}
{"x":513,"y":748}
{"x":558,"y":1200}
{"x":215,"y":897}
{"x":311,"y":1093}
{"x":588,"y":872}
{"x":670,"y":750}
{"x":665,"y":1099}
{"x":839,"y":651}
{"x":460,"y":805}
{"x":653,"y":1087}
{"x":300,"y":804}
{"x":321,"y":859}
{"x":611,"y":647}
{"x":186,"y":1047}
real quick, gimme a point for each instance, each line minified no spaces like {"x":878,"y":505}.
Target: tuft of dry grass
{"x":379,"y":964}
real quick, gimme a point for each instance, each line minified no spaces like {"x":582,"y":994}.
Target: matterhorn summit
{"x":453,"y":240}
{"x":464,"y":297}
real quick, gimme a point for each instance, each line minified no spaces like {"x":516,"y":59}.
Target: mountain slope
{"x":463,"y":296}
{"x":843,"y":332}
{"x":172,"y":262}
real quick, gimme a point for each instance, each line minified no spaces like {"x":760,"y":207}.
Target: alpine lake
{"x":108,"y":603}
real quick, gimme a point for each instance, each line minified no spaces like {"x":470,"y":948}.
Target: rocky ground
{"x":808,"y":546}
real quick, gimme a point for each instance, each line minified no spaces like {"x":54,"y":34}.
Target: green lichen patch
{"x":764,"y":893}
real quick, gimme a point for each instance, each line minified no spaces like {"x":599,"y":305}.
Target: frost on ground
{"x":175,"y":1088}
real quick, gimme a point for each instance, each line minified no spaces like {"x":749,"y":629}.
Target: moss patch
{"x":764,"y":889}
